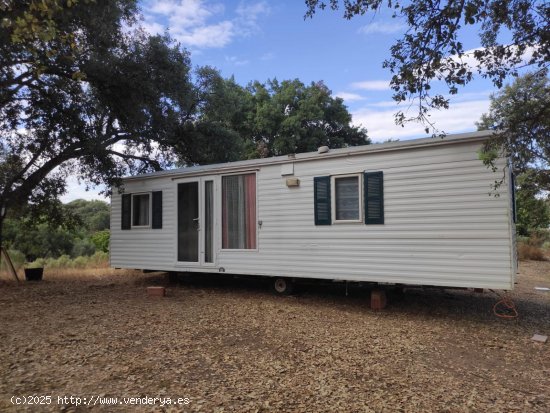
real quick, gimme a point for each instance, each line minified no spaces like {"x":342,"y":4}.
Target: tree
{"x":232,"y":122}
{"x":290,"y":117}
{"x":93,"y":215}
{"x":533,"y":211}
{"x":432,"y":50}
{"x":101,"y":108}
{"x":521,"y":114}
{"x":213,"y":133}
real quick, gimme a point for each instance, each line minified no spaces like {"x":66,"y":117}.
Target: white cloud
{"x":202,"y":24}
{"x":381,"y":28}
{"x":460,"y":117}
{"x":234,"y":60}
{"x":78,"y":191}
{"x":472,"y":63}
{"x":267,"y":56}
{"x":153,"y":27}
{"x":372,"y":85}
{"x":215,"y":35}
{"x":350,"y":97}
{"x":248,"y":15}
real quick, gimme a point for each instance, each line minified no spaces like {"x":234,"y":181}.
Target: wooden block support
{"x":156,"y":291}
{"x":378,"y":299}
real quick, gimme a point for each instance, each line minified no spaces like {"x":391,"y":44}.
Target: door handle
{"x":196,"y":222}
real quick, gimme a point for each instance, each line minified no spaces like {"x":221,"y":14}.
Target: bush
{"x":38,"y":263}
{"x":99,"y":259}
{"x":80,"y":262}
{"x":82,"y":247}
{"x":530,"y":252}
{"x":101,"y":240}
{"x":62,"y":262}
{"x":539,"y":237}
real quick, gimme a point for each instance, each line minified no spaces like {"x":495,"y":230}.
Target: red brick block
{"x":156,"y":291}
{"x":378,"y":299}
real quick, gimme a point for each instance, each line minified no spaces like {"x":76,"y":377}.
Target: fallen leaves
{"x":232,"y":346}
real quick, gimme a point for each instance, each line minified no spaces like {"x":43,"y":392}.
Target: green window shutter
{"x":126,"y":212}
{"x":513,"y":190}
{"x":157,"y":210}
{"x":374,"y":197}
{"x":321,"y":194}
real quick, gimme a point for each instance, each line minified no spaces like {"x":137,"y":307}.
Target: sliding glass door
{"x":195,"y":228}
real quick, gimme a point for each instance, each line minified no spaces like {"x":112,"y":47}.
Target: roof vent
{"x":323,"y":149}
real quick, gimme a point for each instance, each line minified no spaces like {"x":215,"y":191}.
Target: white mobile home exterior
{"x":415,"y":212}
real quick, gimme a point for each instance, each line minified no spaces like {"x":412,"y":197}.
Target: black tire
{"x":282,"y":286}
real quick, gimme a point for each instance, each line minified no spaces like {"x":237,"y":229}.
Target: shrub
{"x":99,"y":259}
{"x":38,"y":263}
{"x":63,"y":262}
{"x":80,"y":262}
{"x":101,"y":240}
{"x":530,"y":252}
{"x":82,"y":247}
{"x":539,"y":237}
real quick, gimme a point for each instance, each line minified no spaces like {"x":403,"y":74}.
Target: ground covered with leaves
{"x":232,"y":346}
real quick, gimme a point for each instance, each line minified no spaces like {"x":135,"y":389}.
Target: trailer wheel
{"x":283,"y":286}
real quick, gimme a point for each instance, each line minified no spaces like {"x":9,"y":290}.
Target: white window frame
{"x":150,"y":210}
{"x":333,"y":179}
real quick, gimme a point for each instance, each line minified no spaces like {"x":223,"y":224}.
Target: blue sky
{"x":260,"y":40}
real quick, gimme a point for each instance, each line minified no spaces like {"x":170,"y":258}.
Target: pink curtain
{"x":250,"y":210}
{"x":239,"y":211}
{"x":225,"y":220}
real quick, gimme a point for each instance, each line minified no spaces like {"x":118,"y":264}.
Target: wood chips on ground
{"x":232,"y":346}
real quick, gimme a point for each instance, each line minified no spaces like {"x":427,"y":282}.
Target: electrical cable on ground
{"x":505,"y":307}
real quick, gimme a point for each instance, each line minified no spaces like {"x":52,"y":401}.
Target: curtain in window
{"x":239,"y":211}
{"x":141,"y":210}
{"x":208,"y":221}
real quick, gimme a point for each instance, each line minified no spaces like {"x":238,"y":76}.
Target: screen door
{"x":188,"y":222}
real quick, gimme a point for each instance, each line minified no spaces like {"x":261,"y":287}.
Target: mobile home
{"x":416,"y":212}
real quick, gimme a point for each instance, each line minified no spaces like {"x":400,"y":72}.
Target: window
{"x":239,"y":211}
{"x":140,"y":210}
{"x":349,"y":198}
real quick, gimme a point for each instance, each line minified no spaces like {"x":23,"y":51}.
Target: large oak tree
{"x":91,"y":97}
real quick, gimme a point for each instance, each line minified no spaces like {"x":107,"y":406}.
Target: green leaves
{"x":431,"y":49}
{"x":521,"y":115}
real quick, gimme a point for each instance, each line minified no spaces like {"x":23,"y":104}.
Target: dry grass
{"x":101,"y":272}
{"x":530,"y":252}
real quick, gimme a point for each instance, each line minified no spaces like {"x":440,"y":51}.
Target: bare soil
{"x":233,"y":346}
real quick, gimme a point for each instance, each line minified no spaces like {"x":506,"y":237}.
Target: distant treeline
{"x":87,"y":232}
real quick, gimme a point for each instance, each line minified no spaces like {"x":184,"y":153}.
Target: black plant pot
{"x":34,"y":274}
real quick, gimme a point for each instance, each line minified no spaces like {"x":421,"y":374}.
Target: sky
{"x":267,"y":39}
